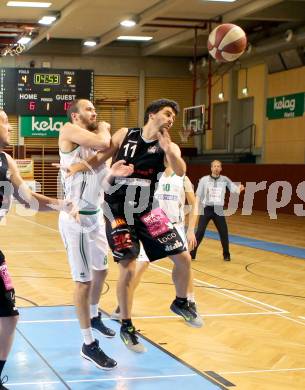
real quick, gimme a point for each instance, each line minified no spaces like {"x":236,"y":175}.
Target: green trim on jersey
{"x":89,"y":212}
{"x":70,"y":150}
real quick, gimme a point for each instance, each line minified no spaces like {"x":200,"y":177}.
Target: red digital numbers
{"x":67,"y":105}
{"x":32,"y":106}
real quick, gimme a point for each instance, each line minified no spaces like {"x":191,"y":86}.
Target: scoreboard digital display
{"x":43,"y":91}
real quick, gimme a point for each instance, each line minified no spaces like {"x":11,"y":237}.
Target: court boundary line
{"x":279,"y":314}
{"x":226,"y":292}
{"x":143,"y":317}
{"x":61,"y":380}
{"x":163,"y":350}
{"x":262,"y":371}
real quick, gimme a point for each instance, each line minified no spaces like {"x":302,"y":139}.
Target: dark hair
{"x":158,"y":105}
{"x":74,"y":107}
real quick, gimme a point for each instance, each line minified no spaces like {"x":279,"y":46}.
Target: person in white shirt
{"x":210,"y":197}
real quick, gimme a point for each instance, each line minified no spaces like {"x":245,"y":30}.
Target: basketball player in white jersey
{"x":12,"y":183}
{"x":85,"y":240}
{"x":172,"y":193}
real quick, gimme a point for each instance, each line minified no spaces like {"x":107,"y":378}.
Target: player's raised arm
{"x":97,"y":160}
{"x":172,"y":153}
{"x":98,"y":139}
{"x":29,"y":198}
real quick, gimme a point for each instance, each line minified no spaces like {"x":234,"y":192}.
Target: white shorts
{"x":181,"y":230}
{"x":86,"y":244}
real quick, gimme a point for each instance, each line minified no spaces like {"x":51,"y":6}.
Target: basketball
{"x":227,"y":42}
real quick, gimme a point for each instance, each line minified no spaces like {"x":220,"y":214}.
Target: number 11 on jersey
{"x":131,"y":147}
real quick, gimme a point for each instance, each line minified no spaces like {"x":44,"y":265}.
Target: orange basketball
{"x":227,"y":42}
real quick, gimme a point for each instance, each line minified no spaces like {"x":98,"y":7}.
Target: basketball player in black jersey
{"x":131,"y":215}
{"x":11,"y":182}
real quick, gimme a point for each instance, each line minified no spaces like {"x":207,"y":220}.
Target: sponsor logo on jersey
{"x":4,"y":275}
{"x":153,"y":149}
{"x":156,"y":222}
{"x":176,"y":245}
{"x":122,"y":241}
{"x":166,"y":238}
{"x":118,"y":222}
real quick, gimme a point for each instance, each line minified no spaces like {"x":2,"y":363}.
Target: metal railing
{"x":250,"y":147}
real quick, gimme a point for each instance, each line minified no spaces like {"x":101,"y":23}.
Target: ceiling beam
{"x":240,"y":12}
{"x":64,"y":14}
{"x":171,"y":41}
{"x":248,"y":9}
{"x":144,"y":17}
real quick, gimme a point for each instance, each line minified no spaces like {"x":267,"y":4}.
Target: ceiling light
{"x":47,"y":20}
{"x":90,"y":43}
{"x":128,"y":23}
{"x":32,"y":4}
{"x":24,"y":40}
{"x":133,"y":38}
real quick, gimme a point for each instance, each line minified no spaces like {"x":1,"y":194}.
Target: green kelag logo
{"x":288,"y":106}
{"x":284,"y":104}
{"x":41,"y":126}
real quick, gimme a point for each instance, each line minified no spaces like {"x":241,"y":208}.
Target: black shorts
{"x":7,"y":292}
{"x":152,"y":227}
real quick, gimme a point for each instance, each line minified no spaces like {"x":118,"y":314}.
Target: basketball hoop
{"x":193,"y":122}
{"x":185,"y":133}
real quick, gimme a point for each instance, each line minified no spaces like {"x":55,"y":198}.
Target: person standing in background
{"x":210,"y":196}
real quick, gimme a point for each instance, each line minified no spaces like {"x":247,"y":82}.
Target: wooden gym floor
{"x":253,"y":306}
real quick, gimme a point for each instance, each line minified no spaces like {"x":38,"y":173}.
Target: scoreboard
{"x":45,"y":92}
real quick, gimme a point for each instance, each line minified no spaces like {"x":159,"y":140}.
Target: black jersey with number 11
{"x":148,"y":160}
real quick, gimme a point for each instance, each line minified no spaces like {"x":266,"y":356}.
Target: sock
{"x":191,"y":297}
{"x":181,"y":301}
{"x":88,"y":336}
{"x":126,"y":323}
{"x":93,"y":311}
{"x":2,"y":363}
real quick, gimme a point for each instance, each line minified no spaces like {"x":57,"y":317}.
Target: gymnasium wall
{"x":285,"y":138}
{"x":255,"y":79}
{"x":279,"y":141}
{"x":271,"y":173}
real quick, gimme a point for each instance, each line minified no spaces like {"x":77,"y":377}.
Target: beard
{"x":91,"y":126}
{"x":4,"y":141}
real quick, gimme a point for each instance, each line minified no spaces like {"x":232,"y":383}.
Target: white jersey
{"x":171,"y":196}
{"x":84,"y":188}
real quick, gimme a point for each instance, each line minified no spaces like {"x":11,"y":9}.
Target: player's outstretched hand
{"x":120,"y":168}
{"x":67,"y":206}
{"x":74,"y":168}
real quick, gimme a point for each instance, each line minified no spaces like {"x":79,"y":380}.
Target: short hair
{"x":216,"y":161}
{"x":158,"y":105}
{"x":74,"y":108}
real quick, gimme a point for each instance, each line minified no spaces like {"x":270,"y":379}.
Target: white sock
{"x":93,"y":311}
{"x":191,"y":297}
{"x":87,"y":335}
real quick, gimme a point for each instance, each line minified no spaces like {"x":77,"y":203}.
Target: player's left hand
{"x":164,"y":140}
{"x":120,"y":168}
{"x":191,"y":240}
